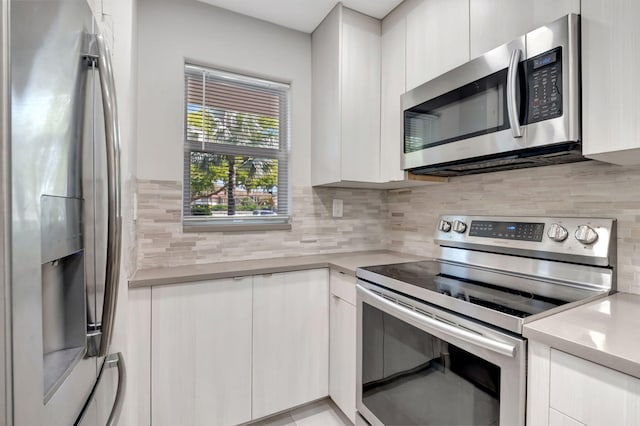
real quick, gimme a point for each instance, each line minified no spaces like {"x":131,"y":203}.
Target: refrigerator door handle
{"x":114,"y":221}
{"x":117,"y":360}
{"x":112,"y":360}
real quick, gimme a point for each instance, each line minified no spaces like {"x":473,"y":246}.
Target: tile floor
{"x":319,"y":413}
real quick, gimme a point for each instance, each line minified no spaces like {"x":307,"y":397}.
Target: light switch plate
{"x":135,"y":206}
{"x":337,"y":208}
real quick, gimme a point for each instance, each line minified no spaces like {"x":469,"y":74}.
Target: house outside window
{"x":236,"y":151}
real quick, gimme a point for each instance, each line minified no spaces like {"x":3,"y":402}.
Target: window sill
{"x":230,"y":227}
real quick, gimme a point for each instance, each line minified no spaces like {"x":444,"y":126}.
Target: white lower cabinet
{"x":224,"y":352}
{"x":592,"y":394}
{"x":342,"y":343}
{"x":290,"y":340}
{"x":201,"y":353}
{"x":137,"y":408}
{"x":565,"y":390}
{"x":556,"y":418}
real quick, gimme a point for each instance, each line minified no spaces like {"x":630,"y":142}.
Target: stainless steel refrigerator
{"x":62,"y":243}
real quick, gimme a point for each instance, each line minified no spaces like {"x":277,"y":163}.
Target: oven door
{"x":419,"y":365}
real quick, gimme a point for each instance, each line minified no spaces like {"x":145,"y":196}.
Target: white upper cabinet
{"x":611,"y":93}
{"x":393,"y":48}
{"x":412,"y":52}
{"x":495,"y":22}
{"x":437,"y":38}
{"x":358,"y":76}
{"x":345,"y":98}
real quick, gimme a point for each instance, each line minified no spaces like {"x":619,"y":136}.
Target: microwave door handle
{"x":114,"y":221}
{"x":433,"y":325}
{"x":512,"y":98}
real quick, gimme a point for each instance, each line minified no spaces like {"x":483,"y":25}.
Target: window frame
{"x":281,"y":154}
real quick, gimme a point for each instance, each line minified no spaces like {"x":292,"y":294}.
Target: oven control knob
{"x":459,"y":227}
{"x":586,"y":234}
{"x":444,"y":226}
{"x":557,"y":232}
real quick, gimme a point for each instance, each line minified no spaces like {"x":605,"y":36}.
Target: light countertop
{"x":604,"y":331}
{"x":343,"y":262}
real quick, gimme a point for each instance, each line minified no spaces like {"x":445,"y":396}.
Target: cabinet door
{"x":495,"y":22}
{"x":392,"y":76}
{"x":538,"y":383}
{"x":360,"y":97}
{"x":611,"y":93}
{"x":556,"y":418}
{"x":201,"y":353}
{"x":592,"y":394}
{"x":290,"y":340}
{"x":342,"y":355}
{"x":137,"y":409}
{"x":325,"y":98}
{"x":437,"y":39}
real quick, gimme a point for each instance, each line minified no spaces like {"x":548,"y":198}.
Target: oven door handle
{"x":430,"y":324}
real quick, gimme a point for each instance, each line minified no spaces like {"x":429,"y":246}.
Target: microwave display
{"x":544,"y":60}
{"x":544,"y":83}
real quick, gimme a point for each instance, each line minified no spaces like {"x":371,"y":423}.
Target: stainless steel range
{"x":440,"y":342}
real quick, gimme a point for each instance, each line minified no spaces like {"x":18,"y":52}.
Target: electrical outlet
{"x":337,"y":208}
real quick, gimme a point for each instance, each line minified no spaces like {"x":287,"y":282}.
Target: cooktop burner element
{"x":507,"y":271}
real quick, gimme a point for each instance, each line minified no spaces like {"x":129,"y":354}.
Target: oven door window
{"x":410,"y":377}
{"x":472,"y":110}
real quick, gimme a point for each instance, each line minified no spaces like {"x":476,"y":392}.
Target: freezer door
{"x":51,"y":126}
{"x":5,"y":191}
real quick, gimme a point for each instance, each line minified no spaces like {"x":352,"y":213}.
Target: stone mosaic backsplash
{"x":162,"y":242}
{"x":399,"y":220}
{"x":588,"y":189}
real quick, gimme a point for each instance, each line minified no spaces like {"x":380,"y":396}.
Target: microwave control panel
{"x":544,"y":81}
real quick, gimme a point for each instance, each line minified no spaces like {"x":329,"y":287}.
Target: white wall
{"x":172,"y":32}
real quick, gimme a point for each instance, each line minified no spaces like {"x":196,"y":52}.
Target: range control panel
{"x":544,"y":81}
{"x":525,"y":231}
{"x":571,"y":239}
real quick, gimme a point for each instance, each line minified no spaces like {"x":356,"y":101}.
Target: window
{"x":236,"y":150}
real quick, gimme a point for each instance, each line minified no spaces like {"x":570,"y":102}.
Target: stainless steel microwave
{"x":516,"y":106}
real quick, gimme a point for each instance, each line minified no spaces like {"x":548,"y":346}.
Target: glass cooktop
{"x":428,"y":275}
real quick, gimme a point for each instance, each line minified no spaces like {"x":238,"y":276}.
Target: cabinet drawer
{"x":343,"y":286}
{"x":591,"y":393}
